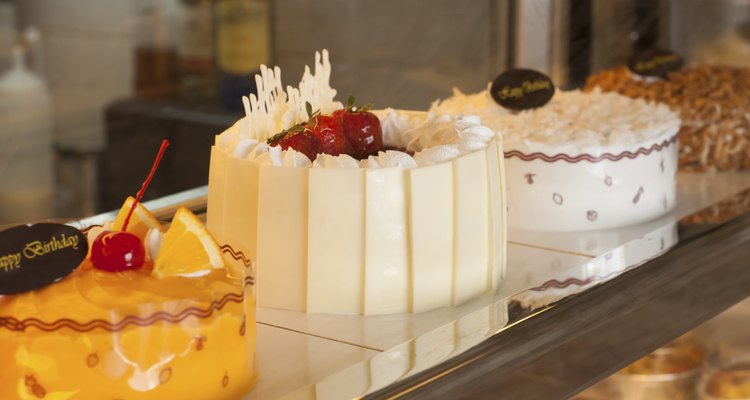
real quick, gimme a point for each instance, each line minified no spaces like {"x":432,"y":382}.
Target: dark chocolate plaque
{"x":654,"y":63}
{"x":36,"y":255}
{"x":522,"y":89}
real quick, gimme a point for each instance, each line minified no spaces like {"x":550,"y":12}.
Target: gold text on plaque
{"x":526,"y":87}
{"x":9,"y":262}
{"x":39,"y":248}
{"x":656,"y":62}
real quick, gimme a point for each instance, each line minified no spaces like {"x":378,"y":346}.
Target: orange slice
{"x":187,"y":248}
{"x":140,"y":222}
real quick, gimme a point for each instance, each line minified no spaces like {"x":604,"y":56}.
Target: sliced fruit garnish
{"x":117,"y":251}
{"x":122,"y":249}
{"x":352,"y":130}
{"x":303,"y":142}
{"x":187,"y":248}
{"x":330,"y":133}
{"x":361,"y":128}
{"x":140,"y":222}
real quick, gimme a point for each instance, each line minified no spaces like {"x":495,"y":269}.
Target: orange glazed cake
{"x":180,"y":326}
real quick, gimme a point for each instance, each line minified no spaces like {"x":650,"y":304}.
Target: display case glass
{"x":88,"y":90}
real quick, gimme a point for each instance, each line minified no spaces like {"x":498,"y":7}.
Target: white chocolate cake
{"x":583,"y":161}
{"x":406,"y":230}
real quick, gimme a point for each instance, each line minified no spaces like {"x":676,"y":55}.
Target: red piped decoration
{"x":122,"y":251}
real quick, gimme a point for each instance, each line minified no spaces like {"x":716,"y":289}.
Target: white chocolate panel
{"x":240,"y":199}
{"x":386,"y":242}
{"x":472,"y":227}
{"x":432,"y":236}
{"x":282,"y":219}
{"x":216,"y":182}
{"x":335,"y":253}
{"x":495,"y":173}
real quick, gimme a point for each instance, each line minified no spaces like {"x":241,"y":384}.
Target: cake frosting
{"x":417,"y":226}
{"x":583,"y":161}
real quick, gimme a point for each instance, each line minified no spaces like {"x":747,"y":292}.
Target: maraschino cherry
{"x":117,"y":251}
{"x":121,"y":250}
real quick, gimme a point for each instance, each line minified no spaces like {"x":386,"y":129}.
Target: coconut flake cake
{"x":582,"y":161}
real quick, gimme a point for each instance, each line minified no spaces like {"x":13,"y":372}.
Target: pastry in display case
{"x":711,"y":362}
{"x":581,"y":161}
{"x":671,"y":372}
{"x":731,"y":382}
{"x":352,"y":212}
{"x":712,"y":102}
{"x":127,"y":310}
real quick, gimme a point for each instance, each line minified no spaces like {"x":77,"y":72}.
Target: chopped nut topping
{"x":713,"y":102}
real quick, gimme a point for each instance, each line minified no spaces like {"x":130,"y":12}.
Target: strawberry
{"x":352,"y":131}
{"x":362,"y":130}
{"x":330,"y":133}
{"x":302,"y":141}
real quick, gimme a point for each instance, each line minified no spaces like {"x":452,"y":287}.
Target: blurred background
{"x":88,"y":88}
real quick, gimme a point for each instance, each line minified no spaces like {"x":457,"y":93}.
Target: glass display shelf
{"x":574,"y":308}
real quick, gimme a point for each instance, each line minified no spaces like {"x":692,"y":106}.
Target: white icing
{"x":393,"y":123}
{"x":293,"y":158}
{"x":244,"y":147}
{"x":153,"y":242}
{"x":437,"y":154}
{"x":341,"y":161}
{"x":258,"y":149}
{"x":274,"y":154}
{"x":389,"y":159}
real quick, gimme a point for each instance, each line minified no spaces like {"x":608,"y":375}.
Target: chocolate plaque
{"x":36,"y":255}
{"x":522,"y":89}
{"x":654,"y":63}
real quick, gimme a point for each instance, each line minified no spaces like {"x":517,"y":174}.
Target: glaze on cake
{"x":582,"y":161}
{"x":390,"y":233}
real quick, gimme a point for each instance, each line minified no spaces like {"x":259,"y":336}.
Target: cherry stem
{"x":163,"y":147}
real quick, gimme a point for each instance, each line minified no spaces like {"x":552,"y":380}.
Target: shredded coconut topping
{"x":572,"y":122}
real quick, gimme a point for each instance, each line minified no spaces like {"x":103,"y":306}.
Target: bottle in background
{"x":156,"y":71}
{"x":242,"y":45}
{"x":7,"y":33}
{"x":195,"y":50}
{"x":26,"y":157}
